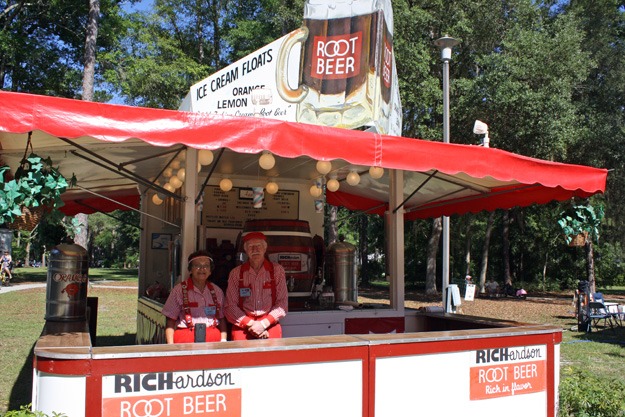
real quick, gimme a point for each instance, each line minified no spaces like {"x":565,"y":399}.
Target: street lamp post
{"x":445,"y":43}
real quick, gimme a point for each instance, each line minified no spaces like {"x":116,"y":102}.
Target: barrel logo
{"x":82,"y":278}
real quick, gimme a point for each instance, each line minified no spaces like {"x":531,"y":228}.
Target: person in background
{"x":6,"y":262}
{"x":196,"y":304}
{"x":257,"y":297}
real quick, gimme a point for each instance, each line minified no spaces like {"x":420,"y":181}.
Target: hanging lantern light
{"x":267,"y":161}
{"x":175,"y":164}
{"x":353,"y":178}
{"x":225,"y":185}
{"x":168,"y":172}
{"x":175,"y":182}
{"x":315,"y":191}
{"x":332,"y":185}
{"x":181,"y":174}
{"x":199,"y":167}
{"x":272,"y":187}
{"x":157,"y":200}
{"x":205,"y":157}
{"x":169,"y":187}
{"x":323,"y":167}
{"x":376,"y":172}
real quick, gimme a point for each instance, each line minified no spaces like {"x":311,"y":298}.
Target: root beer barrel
{"x":66,"y":291}
{"x":290,"y":244}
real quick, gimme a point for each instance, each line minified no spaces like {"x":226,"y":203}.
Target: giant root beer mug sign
{"x":338,"y":70}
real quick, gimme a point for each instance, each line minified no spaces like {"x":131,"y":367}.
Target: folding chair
{"x":599,"y":312}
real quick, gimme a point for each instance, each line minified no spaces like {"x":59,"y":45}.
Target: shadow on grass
{"x":613,"y":335}
{"x":21,"y":393}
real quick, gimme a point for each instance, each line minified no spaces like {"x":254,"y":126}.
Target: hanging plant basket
{"x":29,"y":219}
{"x":578,"y":239}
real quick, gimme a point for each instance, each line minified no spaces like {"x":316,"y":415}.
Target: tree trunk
{"x":332,"y":229}
{"x":467,"y":248}
{"x":590,"y":265}
{"x":435,"y":237}
{"x":489,"y":230}
{"x":362,"y":248}
{"x":88,"y":78}
{"x":506,"y":248}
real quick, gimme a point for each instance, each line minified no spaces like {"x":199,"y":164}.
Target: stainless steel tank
{"x":340,"y":273}
{"x":66,"y":292}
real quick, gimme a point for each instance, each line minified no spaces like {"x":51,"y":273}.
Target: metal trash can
{"x":340,"y":274}
{"x":583,"y":312}
{"x":66,"y":291}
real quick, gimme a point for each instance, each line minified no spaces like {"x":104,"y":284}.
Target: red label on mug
{"x":387,"y":67}
{"x":336,"y":57}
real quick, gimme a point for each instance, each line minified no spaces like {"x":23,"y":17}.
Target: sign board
{"x":230,"y":210}
{"x":469,"y":294}
{"x":476,"y":382}
{"x":337,"y":70}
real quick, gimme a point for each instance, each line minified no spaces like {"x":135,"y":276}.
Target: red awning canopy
{"x":449,"y":178}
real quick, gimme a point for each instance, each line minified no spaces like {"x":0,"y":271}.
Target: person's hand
{"x":257,"y":328}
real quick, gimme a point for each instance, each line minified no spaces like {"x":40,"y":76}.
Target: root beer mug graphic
{"x":346,"y":61}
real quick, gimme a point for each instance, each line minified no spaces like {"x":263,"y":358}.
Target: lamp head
{"x":480,"y":128}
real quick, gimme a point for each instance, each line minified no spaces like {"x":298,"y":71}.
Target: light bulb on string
{"x":199,"y":167}
{"x":267,"y":161}
{"x":323,"y":167}
{"x":205,"y":157}
{"x":353,"y":178}
{"x":272,"y":187}
{"x":168,"y":172}
{"x":169,"y":187}
{"x":225,"y":185}
{"x":175,"y":182}
{"x":175,"y":164}
{"x":157,"y":200}
{"x":315,"y":191}
{"x":181,"y":174}
{"x":376,"y":172}
{"x":332,"y":185}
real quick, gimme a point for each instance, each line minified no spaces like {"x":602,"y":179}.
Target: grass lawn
{"x":24,"y":317}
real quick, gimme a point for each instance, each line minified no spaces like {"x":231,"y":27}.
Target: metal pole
{"x":446,"y":44}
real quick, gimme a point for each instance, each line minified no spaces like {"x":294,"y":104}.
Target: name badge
{"x":245,"y":292}
{"x":210,"y":310}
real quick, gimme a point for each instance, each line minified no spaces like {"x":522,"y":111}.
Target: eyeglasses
{"x":202,"y":266}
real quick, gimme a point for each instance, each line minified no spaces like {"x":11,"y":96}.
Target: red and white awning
{"x":448,"y":178}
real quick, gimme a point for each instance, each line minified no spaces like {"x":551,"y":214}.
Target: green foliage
{"x":586,"y":394}
{"x":36,"y":183}
{"x":25,"y":411}
{"x":581,"y":218}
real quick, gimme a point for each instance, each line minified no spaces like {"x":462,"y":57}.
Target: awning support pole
{"x":189,"y":209}
{"x":396,"y":230}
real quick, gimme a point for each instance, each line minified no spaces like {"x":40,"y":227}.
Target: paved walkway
{"x":100,"y":284}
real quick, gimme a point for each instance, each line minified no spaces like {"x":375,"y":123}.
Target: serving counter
{"x":458,"y":364}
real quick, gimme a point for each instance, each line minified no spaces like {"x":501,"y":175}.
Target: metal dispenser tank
{"x":340,"y":272}
{"x":66,"y":291}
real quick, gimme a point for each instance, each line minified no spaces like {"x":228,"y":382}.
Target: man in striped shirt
{"x":257,"y":297}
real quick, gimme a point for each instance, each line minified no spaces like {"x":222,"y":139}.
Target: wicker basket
{"x":579,"y":239}
{"x":29,"y":219}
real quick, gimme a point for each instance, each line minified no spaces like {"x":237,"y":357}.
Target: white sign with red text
{"x":288,"y":389}
{"x":480,"y":382}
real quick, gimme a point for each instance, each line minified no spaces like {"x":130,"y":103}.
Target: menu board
{"x":230,"y":210}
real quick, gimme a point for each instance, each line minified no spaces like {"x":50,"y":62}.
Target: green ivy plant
{"x":36,"y":183}
{"x":579,"y":219}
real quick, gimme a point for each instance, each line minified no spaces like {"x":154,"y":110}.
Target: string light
{"x":353,"y":178}
{"x":323,"y":167}
{"x":225,"y":185}
{"x":205,"y":157}
{"x":271,"y":187}
{"x":157,"y":200}
{"x":376,"y":172}
{"x":267,"y":161}
{"x":181,"y":174}
{"x":315,"y":191}
{"x":332,"y":185}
